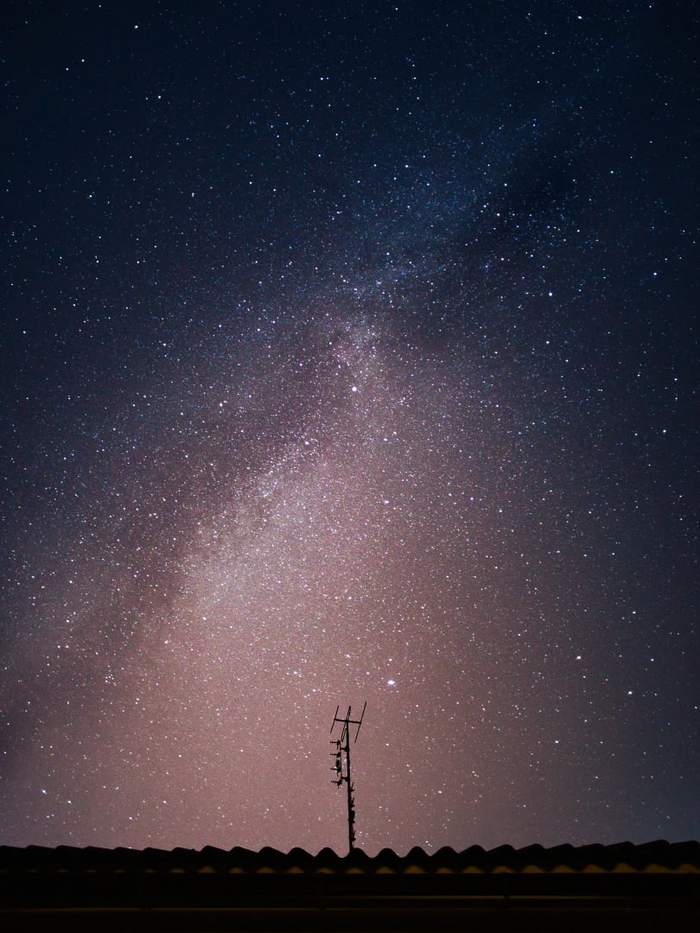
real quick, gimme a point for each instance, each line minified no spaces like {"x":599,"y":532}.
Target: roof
{"x":623,"y":857}
{"x":217,"y":889}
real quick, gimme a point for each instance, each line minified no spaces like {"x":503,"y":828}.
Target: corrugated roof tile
{"x":625,"y":857}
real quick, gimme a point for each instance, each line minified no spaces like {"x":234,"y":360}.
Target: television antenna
{"x":341,"y":764}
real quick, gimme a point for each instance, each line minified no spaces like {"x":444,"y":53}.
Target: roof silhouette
{"x":624,"y":856}
{"x":607,"y":886}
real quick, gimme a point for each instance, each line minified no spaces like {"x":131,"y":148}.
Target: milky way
{"x":349,"y":357}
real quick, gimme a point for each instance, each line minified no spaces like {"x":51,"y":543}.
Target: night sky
{"x":349,"y":354}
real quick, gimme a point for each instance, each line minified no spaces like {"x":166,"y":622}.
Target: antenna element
{"x":341,"y":764}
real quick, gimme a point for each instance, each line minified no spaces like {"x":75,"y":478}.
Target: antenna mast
{"x":341,"y":765}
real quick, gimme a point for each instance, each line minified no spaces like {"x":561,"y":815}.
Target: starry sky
{"x":349,"y":354}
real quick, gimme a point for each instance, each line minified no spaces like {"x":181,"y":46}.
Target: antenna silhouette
{"x":341,"y":765}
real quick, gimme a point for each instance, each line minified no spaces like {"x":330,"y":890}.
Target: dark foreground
{"x":622,"y":887}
